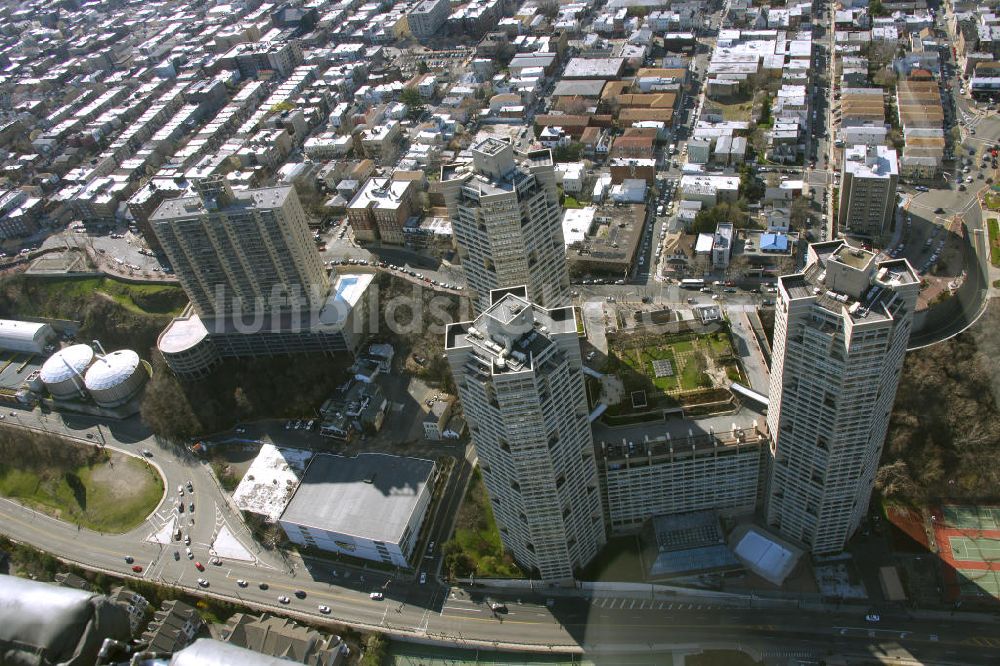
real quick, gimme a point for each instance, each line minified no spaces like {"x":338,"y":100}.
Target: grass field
{"x":739,"y":111}
{"x":689,"y":354}
{"x":112,"y":496}
{"x":476,"y":546}
{"x":992,"y":200}
{"x":994,"y":228}
{"x":154,"y":299}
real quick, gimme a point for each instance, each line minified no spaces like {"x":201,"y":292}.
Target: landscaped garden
{"x":663,"y":371}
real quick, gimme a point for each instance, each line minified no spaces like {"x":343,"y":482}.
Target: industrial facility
{"x":78,"y":373}
{"x":24,"y":336}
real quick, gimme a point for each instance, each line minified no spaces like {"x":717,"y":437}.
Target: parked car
{"x":199,"y":566}
{"x":202,"y":582}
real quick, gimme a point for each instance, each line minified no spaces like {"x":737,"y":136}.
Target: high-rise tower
{"x":868,"y":190}
{"x":840,"y":334}
{"x":507,"y":220}
{"x":519,"y":376}
{"x":248,"y":251}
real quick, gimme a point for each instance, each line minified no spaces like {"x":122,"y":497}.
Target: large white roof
{"x":12,"y":329}
{"x":111,"y":370}
{"x":66,"y":363}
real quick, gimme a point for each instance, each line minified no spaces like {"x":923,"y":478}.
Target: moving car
{"x":377,"y":596}
{"x":129,"y":559}
{"x":242,"y":583}
{"x":872,"y":617}
{"x":284,"y":600}
{"x":300,"y":594}
{"x":325,"y":610}
{"x":423,"y":577}
{"x":203,"y":582}
{"x":137,"y":568}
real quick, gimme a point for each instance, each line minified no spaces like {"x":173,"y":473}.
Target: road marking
{"x":631,"y":606}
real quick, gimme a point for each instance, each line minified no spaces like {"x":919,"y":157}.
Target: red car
{"x":199,"y":566}
{"x":137,"y":569}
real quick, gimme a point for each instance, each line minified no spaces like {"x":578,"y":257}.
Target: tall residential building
{"x":427,"y":17}
{"x":255,"y":280}
{"x":507,"y":221}
{"x":230,"y":250}
{"x":519,"y":376}
{"x":868,"y":190}
{"x":840,"y":333}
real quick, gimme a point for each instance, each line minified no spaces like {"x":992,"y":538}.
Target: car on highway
{"x":939,"y":211}
{"x":147,"y":453}
{"x":199,"y":566}
{"x":423,"y":577}
{"x":129,"y":559}
{"x":263,"y":586}
{"x":377,"y":596}
{"x":872,"y":617}
{"x":325,"y":610}
{"x":301,"y":594}
{"x":284,"y":600}
{"x":202,"y":582}
{"x":242,"y":583}
{"x":137,"y":568}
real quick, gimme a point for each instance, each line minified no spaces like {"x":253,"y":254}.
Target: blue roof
{"x":773,"y":242}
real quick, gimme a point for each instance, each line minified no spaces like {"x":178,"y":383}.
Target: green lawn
{"x":992,"y":200}
{"x":155,"y":299}
{"x":571,"y":202}
{"x":476,"y":546}
{"x":693,"y":376}
{"x":111,"y":496}
{"x":994,"y":229}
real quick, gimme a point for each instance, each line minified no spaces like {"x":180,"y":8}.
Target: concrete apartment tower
{"x":506,"y":217}
{"x":840,"y":332}
{"x":518,"y":372}
{"x":868,"y":190}
{"x":230,"y":250}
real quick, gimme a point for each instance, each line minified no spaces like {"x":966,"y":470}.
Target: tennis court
{"x":972,"y":517}
{"x":978,"y":583}
{"x":975,"y":549}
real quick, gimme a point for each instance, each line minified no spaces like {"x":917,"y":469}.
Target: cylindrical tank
{"x":63,"y":372}
{"x":115,"y":378}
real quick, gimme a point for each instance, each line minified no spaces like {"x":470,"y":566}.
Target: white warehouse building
{"x":24,"y":336}
{"x":370,"y":506}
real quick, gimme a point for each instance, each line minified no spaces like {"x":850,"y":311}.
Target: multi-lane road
{"x":543,"y":619}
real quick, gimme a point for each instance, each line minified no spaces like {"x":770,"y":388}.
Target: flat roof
{"x":271,"y":480}
{"x":370,"y":496}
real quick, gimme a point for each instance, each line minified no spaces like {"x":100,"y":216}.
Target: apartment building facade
{"x":840,"y":334}
{"x":868,"y":190}
{"x":231,"y":251}
{"x":519,"y":376}
{"x":507,"y":223}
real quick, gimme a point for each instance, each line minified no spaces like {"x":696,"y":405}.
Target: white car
{"x":423,"y":577}
{"x":377,"y":596}
{"x":203,"y":582}
{"x":872,"y":617}
{"x":325,"y":610}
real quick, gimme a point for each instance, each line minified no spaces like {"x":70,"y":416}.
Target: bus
{"x":692,"y":283}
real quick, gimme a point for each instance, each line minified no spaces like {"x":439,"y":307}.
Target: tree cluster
{"x":945,"y":425}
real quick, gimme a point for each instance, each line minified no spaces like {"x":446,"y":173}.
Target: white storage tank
{"x":63,"y":372}
{"x":113,"y":379}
